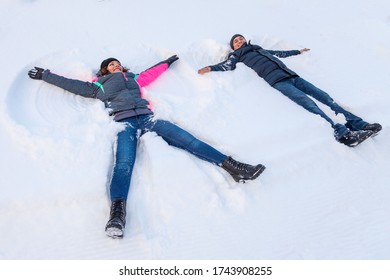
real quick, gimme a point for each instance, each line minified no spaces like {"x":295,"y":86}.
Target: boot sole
{"x":360,"y":140}
{"x":374,"y":132}
{"x":115,"y":233}
{"x":255,"y":175}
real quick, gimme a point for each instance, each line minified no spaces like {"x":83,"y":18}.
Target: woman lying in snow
{"x":120,"y":90}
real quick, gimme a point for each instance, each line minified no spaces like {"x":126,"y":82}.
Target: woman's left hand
{"x":171,"y":60}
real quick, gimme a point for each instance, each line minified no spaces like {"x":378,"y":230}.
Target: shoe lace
{"x":238,"y":165}
{"x":118,"y":209}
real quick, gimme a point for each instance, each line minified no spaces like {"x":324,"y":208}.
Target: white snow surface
{"x":317,"y":199}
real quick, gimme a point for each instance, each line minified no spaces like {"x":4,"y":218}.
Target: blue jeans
{"x":127,"y":146}
{"x":298,"y":89}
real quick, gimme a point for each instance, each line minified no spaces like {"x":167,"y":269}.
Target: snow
{"x":317,"y":199}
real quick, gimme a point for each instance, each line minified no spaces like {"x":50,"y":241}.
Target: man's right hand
{"x":204,"y":70}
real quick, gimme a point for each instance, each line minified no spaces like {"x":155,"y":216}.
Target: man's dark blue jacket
{"x":264,"y":62}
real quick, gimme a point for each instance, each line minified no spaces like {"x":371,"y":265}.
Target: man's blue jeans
{"x":171,"y":133}
{"x":298,"y":89}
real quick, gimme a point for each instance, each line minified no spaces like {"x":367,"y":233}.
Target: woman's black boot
{"x":242,"y":171}
{"x":116,"y":224}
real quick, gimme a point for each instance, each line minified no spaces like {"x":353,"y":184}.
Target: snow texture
{"x":317,"y":199}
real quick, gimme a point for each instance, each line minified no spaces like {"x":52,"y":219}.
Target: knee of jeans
{"x":194,"y":144}
{"x":124,"y":159}
{"x":124,"y":155}
{"x":123,"y":168}
{"x":183,"y":142}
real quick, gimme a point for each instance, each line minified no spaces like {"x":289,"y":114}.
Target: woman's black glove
{"x":36,"y":73}
{"x":171,"y":60}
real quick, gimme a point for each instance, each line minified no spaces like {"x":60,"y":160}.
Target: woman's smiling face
{"x":114,"y":66}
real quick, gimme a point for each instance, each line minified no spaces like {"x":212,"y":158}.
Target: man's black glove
{"x":171,"y":60}
{"x":36,"y":73}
